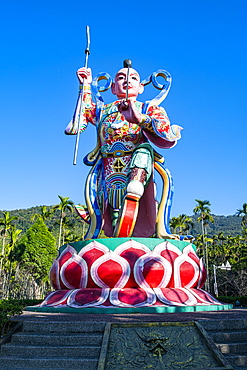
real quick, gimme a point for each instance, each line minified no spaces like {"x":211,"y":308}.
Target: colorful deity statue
{"x":120,"y":188}
{"x":131,"y":270}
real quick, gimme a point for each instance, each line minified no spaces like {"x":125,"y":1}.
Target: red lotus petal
{"x":110,"y":271}
{"x":153,"y":273}
{"x":192,"y":254}
{"x":74,"y":273}
{"x":132,"y":297}
{"x":59,"y":297}
{"x":175,"y":296}
{"x":152,"y":270}
{"x":54,"y":275}
{"x":186,"y":272}
{"x":87,"y":297}
{"x":66,"y":254}
{"x":131,"y":251}
{"x":168,"y":251}
{"x":202,"y":275}
{"x":203,"y":297}
{"x":90,"y":253}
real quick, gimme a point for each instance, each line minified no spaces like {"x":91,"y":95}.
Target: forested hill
{"x":229,"y":225}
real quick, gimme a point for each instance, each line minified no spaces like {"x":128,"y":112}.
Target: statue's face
{"x":120,"y":85}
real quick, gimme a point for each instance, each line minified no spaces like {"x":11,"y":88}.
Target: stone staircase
{"x":49,"y":345}
{"x":230,"y":336}
{"x":54,"y":345}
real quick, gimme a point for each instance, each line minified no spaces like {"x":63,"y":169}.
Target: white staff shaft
{"x":80,"y":100}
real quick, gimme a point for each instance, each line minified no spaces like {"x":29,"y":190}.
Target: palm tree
{"x":174,"y":224}
{"x":219,"y":247}
{"x":243,"y":212}
{"x":182,"y":222}
{"x":44,"y":214}
{"x":64,"y":205}
{"x":6,"y":222}
{"x":204,"y":215}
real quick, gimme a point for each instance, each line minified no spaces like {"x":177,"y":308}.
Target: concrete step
{"x":49,"y":351}
{"x":17,"y":362}
{"x":62,"y":339}
{"x":30,"y":368}
{"x":225,"y":325}
{"x":229,"y":336}
{"x":63,"y":327}
{"x":33,"y":368}
{"x":237,"y":360}
{"x":229,"y":348}
{"x":50,"y":345}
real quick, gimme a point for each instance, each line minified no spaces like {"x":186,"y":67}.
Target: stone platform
{"x":233,"y":314}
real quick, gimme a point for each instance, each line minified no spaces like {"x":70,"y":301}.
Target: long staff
{"x":80,"y":99}
{"x":127,"y":64}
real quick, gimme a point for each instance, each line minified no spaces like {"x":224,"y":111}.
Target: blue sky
{"x":201,"y":43}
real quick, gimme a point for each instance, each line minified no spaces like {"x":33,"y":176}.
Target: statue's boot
{"x":129,"y":211}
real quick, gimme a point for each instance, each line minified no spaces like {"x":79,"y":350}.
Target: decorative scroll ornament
{"x":164,"y":89}
{"x":98,"y":88}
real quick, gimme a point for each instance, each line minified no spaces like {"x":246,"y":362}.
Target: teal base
{"x":130,"y":310}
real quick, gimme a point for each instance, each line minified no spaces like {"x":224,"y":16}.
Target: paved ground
{"x":239,"y":313}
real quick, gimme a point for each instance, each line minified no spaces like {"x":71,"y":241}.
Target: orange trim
{"x":128,"y":218}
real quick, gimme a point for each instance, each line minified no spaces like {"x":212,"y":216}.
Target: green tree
{"x":36,"y":251}
{"x":64,"y":205}
{"x":10,"y":264}
{"x":14,"y":235}
{"x":44,"y":214}
{"x":6,"y":222}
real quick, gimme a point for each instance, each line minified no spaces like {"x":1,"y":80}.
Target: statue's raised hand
{"x":84,"y":75}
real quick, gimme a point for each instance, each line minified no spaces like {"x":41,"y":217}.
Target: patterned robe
{"x":117,"y":139}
